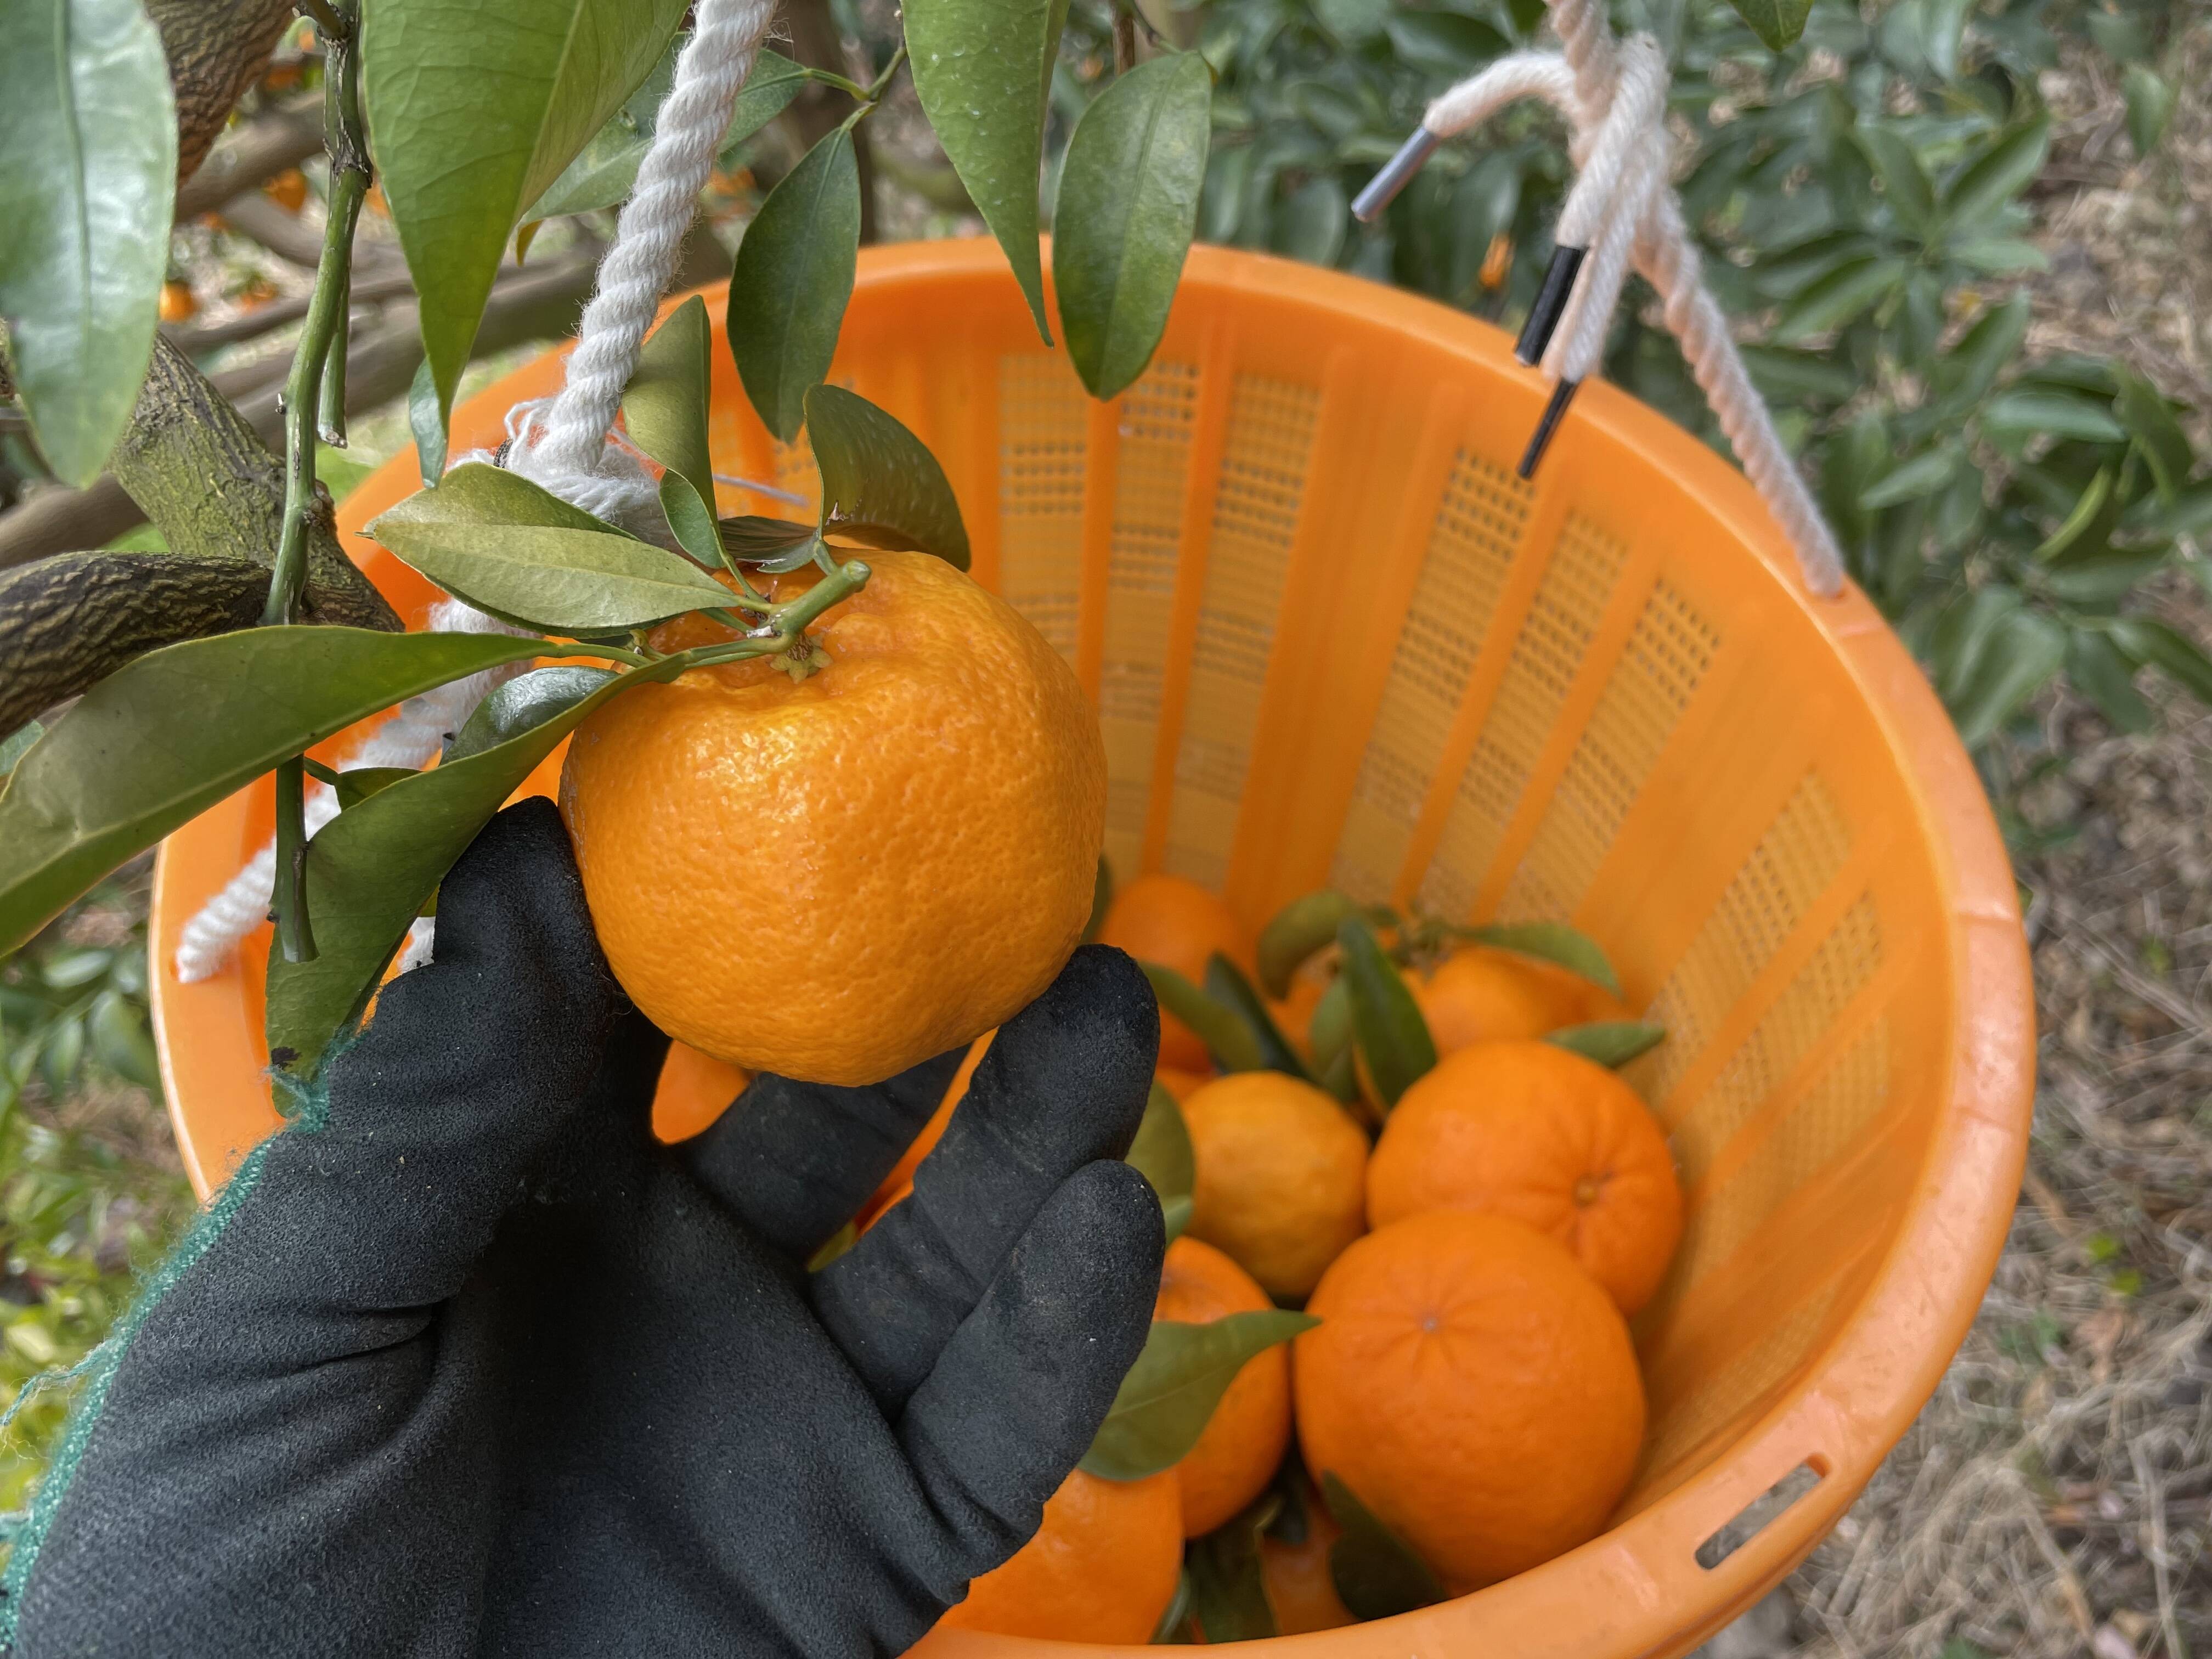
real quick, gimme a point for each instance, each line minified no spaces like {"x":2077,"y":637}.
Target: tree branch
{"x":215,"y":52}
{"x":257,"y":153}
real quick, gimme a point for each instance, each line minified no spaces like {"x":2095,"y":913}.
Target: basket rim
{"x":1636,"y":1589}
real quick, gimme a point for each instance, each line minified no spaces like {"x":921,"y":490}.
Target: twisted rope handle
{"x":1621,"y":213}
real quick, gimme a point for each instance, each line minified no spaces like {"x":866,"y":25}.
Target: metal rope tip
{"x":1563,"y":393}
{"x":1367,"y":207}
{"x":1551,"y":305}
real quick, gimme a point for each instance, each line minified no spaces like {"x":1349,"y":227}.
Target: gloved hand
{"x":463,"y":1361}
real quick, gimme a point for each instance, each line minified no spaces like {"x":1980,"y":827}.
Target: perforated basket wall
{"x":1332,"y":639}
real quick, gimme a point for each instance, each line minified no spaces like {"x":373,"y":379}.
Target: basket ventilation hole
{"x":1755,"y":1517}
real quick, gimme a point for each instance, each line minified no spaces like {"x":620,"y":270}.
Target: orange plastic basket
{"x":1333,"y":639}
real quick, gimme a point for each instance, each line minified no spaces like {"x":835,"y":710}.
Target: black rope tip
{"x":1540,"y":439}
{"x":1367,"y":206}
{"x":1551,"y":305}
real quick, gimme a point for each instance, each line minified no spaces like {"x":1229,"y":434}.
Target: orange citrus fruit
{"x":694,"y":1090}
{"x":836,"y":878}
{"x":900,"y":1181}
{"x":1281,"y":1180}
{"x":1180,"y":1085}
{"x":1300,"y":1589}
{"x":178,"y":304}
{"x":1103,"y":1568}
{"x":1243,"y":1442}
{"x":1476,"y":1390}
{"x":1480,"y":995}
{"x":1176,"y":924}
{"x":1530,"y":1131}
{"x":288,"y":190}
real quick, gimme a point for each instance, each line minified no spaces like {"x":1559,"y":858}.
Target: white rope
{"x":1623,"y":212}
{"x":561,"y":444}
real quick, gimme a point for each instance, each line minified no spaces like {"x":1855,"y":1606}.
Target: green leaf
{"x":1970,"y":367}
{"x":2025,"y":649}
{"x":2026,"y":412}
{"x":664,"y":412}
{"x":983,"y":69}
{"x":1228,"y":1589}
{"x":120,"y":1041}
{"x":524,"y":703}
{"x":371,"y":869}
{"x":793,"y":277}
{"x":1963,"y":632}
{"x":1296,"y":932}
{"x":88,"y":172}
{"x":1329,"y":1032}
{"x":62,"y":1055}
{"x":1445,"y":42}
{"x":1127,"y":208}
{"x":1554,"y":942}
{"x":1924,"y":475}
{"x":2144,"y":638}
{"x":2085,"y":513}
{"x":1377,"y":1574}
{"x":2189,"y":513}
{"x":1226,"y":984}
{"x":473,"y":112}
{"x":767,"y":92}
{"x":169,"y":735}
{"x":606,"y":169}
{"x":879,"y":483}
{"x":1799,"y":376}
{"x":1227,"y":1038}
{"x":357,"y":785}
{"x":1167,"y":1398}
{"x":2150,"y":104}
{"x":1905,"y":183}
{"x":1392,"y":1035}
{"x":2000,"y":172}
{"x":426,"y":421}
{"x":13,"y":746}
{"x":493,"y":537}
{"x":1836,"y":298}
{"x":2098,"y":670}
{"x":775,"y":545}
{"x":1162,"y":1151}
{"x":1169,"y":1630}
{"x":1611,"y":1043}
{"x":2143,"y":410}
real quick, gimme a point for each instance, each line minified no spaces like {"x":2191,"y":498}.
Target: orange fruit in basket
{"x":1243,"y":1442}
{"x":900,"y":1181}
{"x":288,"y":190}
{"x":1281,"y":1183}
{"x":836,"y":878}
{"x":178,"y":304}
{"x":1481,"y":995}
{"x":1530,"y":1131}
{"x":1475,"y":1387}
{"x":1180,"y":1085}
{"x":1176,"y":924}
{"x":1300,"y":1589}
{"x":1103,"y":1568}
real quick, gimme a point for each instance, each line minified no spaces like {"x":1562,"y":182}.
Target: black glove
{"x":464,"y":1361}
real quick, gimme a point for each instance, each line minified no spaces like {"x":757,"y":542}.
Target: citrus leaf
{"x":2033,"y":412}
{"x":357,"y":785}
{"x":1329,"y":1034}
{"x":1837,"y":298}
{"x":1610,"y":1042}
{"x":983,"y":69}
{"x":1554,"y":942}
{"x":1923,"y":476}
{"x":1392,"y":1035}
{"x":1905,"y":183}
{"x":426,"y":423}
{"x":1162,"y":1152}
{"x":793,"y":277}
{"x":1226,"y":984}
{"x":2142,"y":409}
{"x":2150,"y":102}
{"x":1998,"y":174}
{"x":474,"y":112}
{"x":522,"y":704}
{"x":773,"y":543}
{"x":1127,"y":208}
{"x":767,"y":92}
{"x":119,"y":1039}
{"x":2085,"y":513}
{"x":1169,"y":1628}
{"x":2100,"y":671}
{"x":1969,"y":369}
{"x":1778,"y":23}
{"x":88,"y":172}
{"x":1296,"y":932}
{"x":507,"y":546}
{"x":1167,"y":1398}
{"x":665,"y":411}
{"x":879,"y":483}
{"x":2025,"y":650}
{"x":1228,"y":1590}
{"x":1377,"y":1574}
{"x":370,"y":870}
{"x":1174,"y":1216}
{"x":16,"y":745}
{"x":606,"y":169}
{"x":2144,"y":638}
{"x":1227,"y":1038}
{"x":172,"y":732}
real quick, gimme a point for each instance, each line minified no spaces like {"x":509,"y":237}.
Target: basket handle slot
{"x":1760,"y":1513}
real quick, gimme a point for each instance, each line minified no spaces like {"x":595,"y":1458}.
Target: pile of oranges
{"x":1468,"y":1398}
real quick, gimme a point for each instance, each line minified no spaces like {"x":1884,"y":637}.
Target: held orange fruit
{"x":1481,"y":995}
{"x":836,"y":878}
{"x":1176,"y":924}
{"x":1281,"y":1180}
{"x":1475,"y":1388}
{"x":1530,"y":1131}
{"x":1243,"y":1442}
{"x":1103,"y":1568}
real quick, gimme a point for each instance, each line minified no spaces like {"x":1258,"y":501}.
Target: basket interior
{"x":1333,"y":639}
